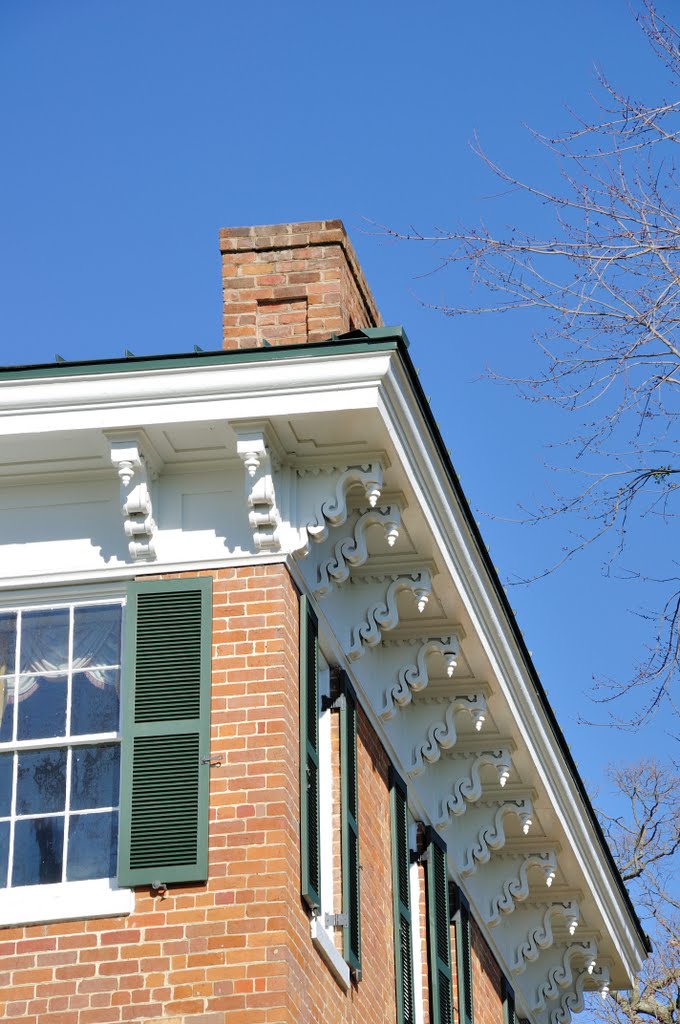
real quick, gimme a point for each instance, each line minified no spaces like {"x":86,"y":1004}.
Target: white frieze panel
{"x":46,"y":530}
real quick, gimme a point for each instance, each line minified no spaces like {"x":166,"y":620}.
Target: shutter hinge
{"x":335,"y":920}
{"x":214,"y":760}
{"x":333,"y":704}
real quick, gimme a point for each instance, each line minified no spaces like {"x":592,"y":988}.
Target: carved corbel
{"x":414,"y":678}
{"x":352,"y":551}
{"x":516,"y":890}
{"x":333,"y":510}
{"x":263,"y":514}
{"x":573,"y":1001}
{"x":562,"y":976}
{"x":468,"y":789}
{"x":542,"y":937}
{"x":134,"y":473}
{"x":491,"y":837}
{"x":443,"y":735}
{"x":384,"y":615}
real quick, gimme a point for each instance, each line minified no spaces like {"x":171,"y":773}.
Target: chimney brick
{"x":291,"y":283}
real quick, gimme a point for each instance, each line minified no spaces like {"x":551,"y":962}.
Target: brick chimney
{"x":291,"y":283}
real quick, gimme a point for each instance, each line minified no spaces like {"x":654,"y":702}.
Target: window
{"x":103,"y":766}
{"x":463,"y":958}
{"x":328,"y":702}
{"x":59,"y":743}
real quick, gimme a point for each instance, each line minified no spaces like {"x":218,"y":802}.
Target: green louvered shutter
{"x":438,"y":929}
{"x":401,"y":898}
{"x":163,"y":831}
{"x":350,"y":828}
{"x":463,"y":959}
{"x":310,"y":857}
{"x":508,"y":1003}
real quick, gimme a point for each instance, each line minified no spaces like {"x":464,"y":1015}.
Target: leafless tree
{"x":645,"y":839}
{"x":605,"y":278}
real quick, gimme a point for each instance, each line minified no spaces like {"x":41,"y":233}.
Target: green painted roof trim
{"x":355,"y":341}
{"x":363,"y":340}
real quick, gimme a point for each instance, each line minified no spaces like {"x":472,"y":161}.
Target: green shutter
{"x":163,"y":831}
{"x":508,"y":1003}
{"x":438,"y":929}
{"x":401,"y":899}
{"x":463,"y":959}
{"x":310,"y":858}
{"x":350,"y":828}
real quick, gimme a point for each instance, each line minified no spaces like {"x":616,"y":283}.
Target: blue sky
{"x":133,"y":131}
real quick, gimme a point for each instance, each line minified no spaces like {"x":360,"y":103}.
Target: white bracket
{"x":543,"y":937}
{"x":384,"y":615}
{"x":414,"y":678}
{"x":443,"y":735}
{"x":516,"y":890}
{"x":352,"y":551}
{"x":263,"y":514}
{"x":491,"y":837}
{"x":131,"y":454}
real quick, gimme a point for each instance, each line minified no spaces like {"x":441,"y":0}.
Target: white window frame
{"x":322,"y":937}
{"x":62,"y":901}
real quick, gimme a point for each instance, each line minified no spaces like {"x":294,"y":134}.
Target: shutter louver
{"x":464,"y":960}
{"x":310,"y":859}
{"x":163,"y":834}
{"x":403,"y":957}
{"x":438,"y":930}
{"x":350,"y":829}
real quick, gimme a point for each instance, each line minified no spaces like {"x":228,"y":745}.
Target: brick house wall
{"x":237,"y":949}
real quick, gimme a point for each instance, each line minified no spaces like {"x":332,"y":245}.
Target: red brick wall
{"x":291,"y":283}
{"x":240,"y":945}
{"x":237,"y":950}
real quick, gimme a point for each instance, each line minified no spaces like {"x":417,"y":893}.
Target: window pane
{"x":42,"y":707}
{"x":92,"y":842}
{"x":5,"y":784}
{"x":38,"y":851}
{"x":96,"y":635}
{"x":41,"y":781}
{"x":44,"y":640}
{"x":95,"y":702}
{"x":4,"y":852}
{"x":95,"y":774}
{"x":8,"y":642}
{"x":6,"y":710}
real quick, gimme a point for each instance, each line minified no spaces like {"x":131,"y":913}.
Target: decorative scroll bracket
{"x":333,"y":510}
{"x":516,"y":890}
{"x":468,"y":789}
{"x":263,"y":515}
{"x":491,"y":837}
{"x":135,"y":470}
{"x":561,"y":977}
{"x":384,"y":615}
{"x":414,"y":678}
{"x":352,"y":551}
{"x":542,"y":937}
{"x":443,"y":735}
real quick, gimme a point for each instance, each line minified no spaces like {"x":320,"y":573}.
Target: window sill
{"x":323,"y":942}
{"x":40,"y":904}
